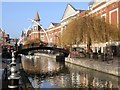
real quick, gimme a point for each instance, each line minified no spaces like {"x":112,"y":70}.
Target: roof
{"x":37,"y":17}
{"x":52,"y":24}
{"x":55,"y":24}
{"x":70,"y":11}
{"x":28,"y":32}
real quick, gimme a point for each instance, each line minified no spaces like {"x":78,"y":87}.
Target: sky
{"x":15,"y":15}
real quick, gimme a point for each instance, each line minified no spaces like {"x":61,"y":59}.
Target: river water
{"x":47,"y":73}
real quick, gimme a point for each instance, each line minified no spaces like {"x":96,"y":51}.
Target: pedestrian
{"x":99,"y":51}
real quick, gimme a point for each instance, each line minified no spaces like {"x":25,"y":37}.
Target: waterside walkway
{"x":24,"y":83}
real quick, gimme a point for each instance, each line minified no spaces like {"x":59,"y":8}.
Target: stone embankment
{"x":111,"y":68}
{"x":46,"y":55}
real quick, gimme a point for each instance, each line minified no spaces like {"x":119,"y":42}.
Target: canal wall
{"x":95,"y":65}
{"x":109,"y":68}
{"x":25,"y":81}
{"x":46,"y":55}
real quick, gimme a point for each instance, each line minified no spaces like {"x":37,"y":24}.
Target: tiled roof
{"x":55,"y":24}
{"x":28,"y":32}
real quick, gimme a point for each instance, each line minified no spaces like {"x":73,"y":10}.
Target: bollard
{"x":13,"y":79}
{"x":13,"y":58}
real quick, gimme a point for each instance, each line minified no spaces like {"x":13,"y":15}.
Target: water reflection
{"x":93,"y":79}
{"x":57,"y":75}
{"x":39,"y":66}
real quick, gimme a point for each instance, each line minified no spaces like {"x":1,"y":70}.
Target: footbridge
{"x":25,"y":51}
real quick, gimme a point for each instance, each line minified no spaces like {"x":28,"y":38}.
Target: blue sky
{"x":15,"y":14}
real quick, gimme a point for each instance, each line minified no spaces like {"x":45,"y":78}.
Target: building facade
{"x":107,"y":9}
{"x":55,"y":30}
{"x":4,"y":38}
{"x":34,"y":33}
{"x":54,"y":33}
{"x":110,"y":10}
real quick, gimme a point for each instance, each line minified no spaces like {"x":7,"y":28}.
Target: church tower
{"x":37,"y":20}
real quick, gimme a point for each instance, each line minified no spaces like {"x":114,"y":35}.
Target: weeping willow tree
{"x":89,"y":30}
{"x":69,"y":36}
{"x":58,"y":39}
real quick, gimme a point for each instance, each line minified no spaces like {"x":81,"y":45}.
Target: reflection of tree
{"x":89,"y":30}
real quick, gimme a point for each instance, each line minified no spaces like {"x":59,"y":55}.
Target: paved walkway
{"x":115,"y":62}
{"x":2,"y":67}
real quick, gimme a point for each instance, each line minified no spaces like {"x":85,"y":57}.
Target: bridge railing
{"x":32,"y":45}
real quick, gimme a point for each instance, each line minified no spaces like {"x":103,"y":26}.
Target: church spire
{"x":37,"y":17}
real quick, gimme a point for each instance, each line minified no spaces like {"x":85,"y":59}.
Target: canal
{"x":47,"y":73}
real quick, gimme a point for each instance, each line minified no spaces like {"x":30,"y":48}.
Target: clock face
{"x":35,"y":27}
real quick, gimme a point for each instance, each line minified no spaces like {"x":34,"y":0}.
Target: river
{"x":47,"y":73}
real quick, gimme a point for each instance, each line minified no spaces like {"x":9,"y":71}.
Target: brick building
{"x":109,"y":10}
{"x":53,"y":32}
{"x":33,"y":33}
{"x":55,"y":29}
{"x":4,"y":38}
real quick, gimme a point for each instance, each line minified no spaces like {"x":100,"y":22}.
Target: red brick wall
{"x":52,"y":32}
{"x":114,"y":18}
{"x":106,"y":10}
{"x":98,"y":5}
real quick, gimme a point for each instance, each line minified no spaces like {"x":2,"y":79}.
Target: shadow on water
{"x":46,"y":73}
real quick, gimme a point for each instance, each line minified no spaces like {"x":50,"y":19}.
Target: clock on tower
{"x":35,"y":27}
